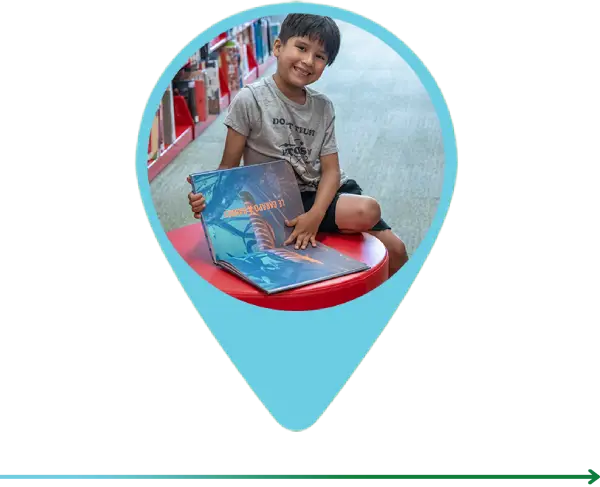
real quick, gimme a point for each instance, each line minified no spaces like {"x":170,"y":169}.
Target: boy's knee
{"x":368,"y":214}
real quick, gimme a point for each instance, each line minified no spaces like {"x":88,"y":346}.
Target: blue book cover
{"x":244,"y":222}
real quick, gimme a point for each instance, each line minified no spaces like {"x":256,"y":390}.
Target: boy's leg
{"x":350,"y":212}
{"x":354,"y":213}
{"x":395,"y":247}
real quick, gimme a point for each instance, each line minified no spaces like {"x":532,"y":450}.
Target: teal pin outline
{"x":417,"y":274}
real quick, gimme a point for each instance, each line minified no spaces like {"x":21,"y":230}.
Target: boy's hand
{"x":305,"y":231}
{"x":197,"y":202}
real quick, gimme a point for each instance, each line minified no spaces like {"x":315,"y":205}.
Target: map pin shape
{"x":297,"y":362}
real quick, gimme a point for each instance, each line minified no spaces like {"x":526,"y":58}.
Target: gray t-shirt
{"x":279,"y":128}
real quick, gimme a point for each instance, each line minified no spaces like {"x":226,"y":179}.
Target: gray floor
{"x":387,"y":131}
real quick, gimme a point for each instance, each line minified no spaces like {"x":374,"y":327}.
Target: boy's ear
{"x":277,"y":46}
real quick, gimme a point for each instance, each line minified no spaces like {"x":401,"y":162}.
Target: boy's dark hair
{"x":315,"y":27}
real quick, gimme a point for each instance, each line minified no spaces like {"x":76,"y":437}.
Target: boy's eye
{"x":303,"y":48}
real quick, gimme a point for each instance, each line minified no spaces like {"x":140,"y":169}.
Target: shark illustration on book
{"x":266,"y":236}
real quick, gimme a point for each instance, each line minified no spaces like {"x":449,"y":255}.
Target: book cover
{"x":244,"y":221}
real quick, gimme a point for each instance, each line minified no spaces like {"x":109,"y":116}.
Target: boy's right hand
{"x":197,"y":202}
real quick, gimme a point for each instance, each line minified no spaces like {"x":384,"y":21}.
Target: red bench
{"x":190,"y":243}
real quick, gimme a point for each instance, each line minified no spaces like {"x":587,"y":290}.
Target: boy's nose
{"x":309,"y":59}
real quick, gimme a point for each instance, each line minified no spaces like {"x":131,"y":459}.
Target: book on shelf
{"x":154,"y":149}
{"x":244,"y":223}
{"x":213,"y":90}
{"x":168,"y":118}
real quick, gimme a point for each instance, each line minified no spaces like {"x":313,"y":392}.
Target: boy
{"x":278,"y":117}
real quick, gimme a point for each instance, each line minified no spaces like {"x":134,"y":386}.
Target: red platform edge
{"x":189,"y":242}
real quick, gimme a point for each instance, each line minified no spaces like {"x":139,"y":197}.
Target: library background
{"x":206,"y":85}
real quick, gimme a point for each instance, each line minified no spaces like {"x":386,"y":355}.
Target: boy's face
{"x":300,"y":61}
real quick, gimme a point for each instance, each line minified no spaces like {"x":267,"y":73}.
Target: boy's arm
{"x":234,"y":149}
{"x":243,"y":117}
{"x":307,"y":224}
{"x":330,"y":168}
{"x":329,"y":184}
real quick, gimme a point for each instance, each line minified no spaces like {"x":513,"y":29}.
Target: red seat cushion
{"x":190,"y":243}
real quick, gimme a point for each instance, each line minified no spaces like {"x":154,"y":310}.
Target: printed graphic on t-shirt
{"x":299,"y":157}
{"x":297,"y":150}
{"x":294,"y":127}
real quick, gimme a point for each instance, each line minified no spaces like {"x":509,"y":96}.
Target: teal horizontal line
{"x":590,"y":475}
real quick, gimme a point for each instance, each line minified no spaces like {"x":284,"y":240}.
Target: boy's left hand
{"x":305,"y":231}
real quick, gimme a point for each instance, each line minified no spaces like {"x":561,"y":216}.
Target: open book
{"x":244,"y":222}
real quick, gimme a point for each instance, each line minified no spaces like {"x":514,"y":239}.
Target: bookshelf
{"x":205,"y":86}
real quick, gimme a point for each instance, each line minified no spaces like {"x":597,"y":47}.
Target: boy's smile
{"x":302,"y":72}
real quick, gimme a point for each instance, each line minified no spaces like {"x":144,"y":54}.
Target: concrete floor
{"x":387,"y":131}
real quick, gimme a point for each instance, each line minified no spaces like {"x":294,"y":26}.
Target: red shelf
{"x":170,"y":153}
{"x":184,"y":131}
{"x":187,"y":131}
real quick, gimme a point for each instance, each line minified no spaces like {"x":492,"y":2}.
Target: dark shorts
{"x":328,"y":224}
